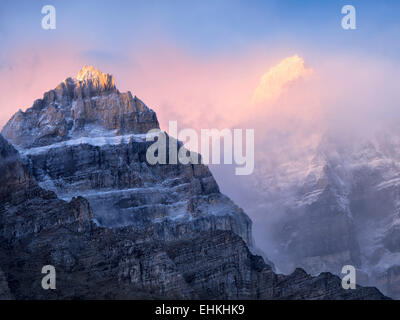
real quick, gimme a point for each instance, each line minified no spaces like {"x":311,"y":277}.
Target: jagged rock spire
{"x":89,"y":74}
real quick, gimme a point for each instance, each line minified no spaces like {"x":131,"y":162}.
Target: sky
{"x":285,"y":68}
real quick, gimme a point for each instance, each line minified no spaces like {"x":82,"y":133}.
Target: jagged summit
{"x":89,"y":74}
{"x":86,"y":106}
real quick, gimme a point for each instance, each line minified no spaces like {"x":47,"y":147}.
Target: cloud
{"x":275,"y":81}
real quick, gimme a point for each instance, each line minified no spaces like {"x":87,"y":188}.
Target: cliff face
{"x":79,"y":194}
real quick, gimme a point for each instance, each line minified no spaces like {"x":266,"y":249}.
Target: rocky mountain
{"x":84,"y":138}
{"x":342,"y":206}
{"x":78,"y":193}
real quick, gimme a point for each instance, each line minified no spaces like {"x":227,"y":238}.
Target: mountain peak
{"x":88,"y":105}
{"x":91,"y":74}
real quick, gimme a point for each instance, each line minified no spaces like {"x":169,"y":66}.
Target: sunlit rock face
{"x":89,"y":76}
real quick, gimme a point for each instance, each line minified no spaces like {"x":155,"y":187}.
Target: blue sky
{"x":206,"y":27}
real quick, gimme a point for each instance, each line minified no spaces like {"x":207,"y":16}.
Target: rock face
{"x":343,"y":207}
{"x":79,"y":194}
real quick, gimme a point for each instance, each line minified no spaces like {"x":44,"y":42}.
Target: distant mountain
{"x":340,"y":204}
{"x":78,"y":193}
